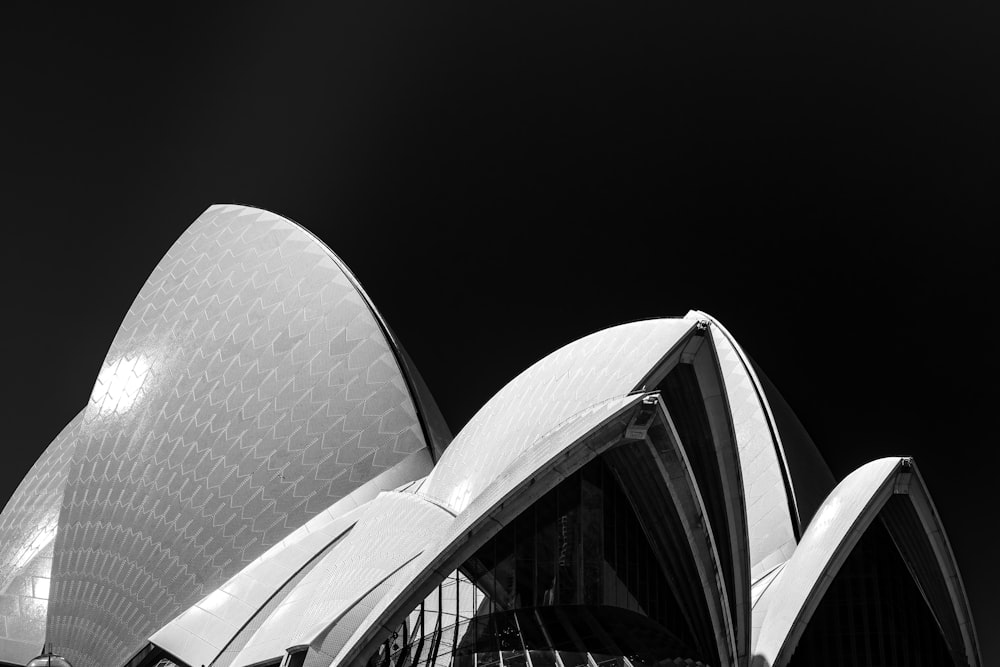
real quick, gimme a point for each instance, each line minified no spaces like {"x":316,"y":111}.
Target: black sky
{"x":506,"y":177}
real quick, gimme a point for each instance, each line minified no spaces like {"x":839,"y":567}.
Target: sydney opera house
{"x":260,"y":478}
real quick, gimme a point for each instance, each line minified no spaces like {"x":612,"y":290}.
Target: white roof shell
{"x":249,"y":323}
{"x":250,"y":386}
{"x":609,"y":363}
{"x":786,"y":603}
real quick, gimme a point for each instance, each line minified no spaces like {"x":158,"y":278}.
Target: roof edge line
{"x":394,"y":344}
{"x":772,"y":426}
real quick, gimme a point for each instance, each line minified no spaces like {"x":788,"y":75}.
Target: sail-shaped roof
{"x":250,"y":387}
{"x":261,"y":474}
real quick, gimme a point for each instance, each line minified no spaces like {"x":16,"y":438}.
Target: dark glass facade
{"x":571,"y":581}
{"x":873,"y":614}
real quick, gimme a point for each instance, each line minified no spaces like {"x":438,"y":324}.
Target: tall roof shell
{"x":260,"y":469}
{"x":250,"y":386}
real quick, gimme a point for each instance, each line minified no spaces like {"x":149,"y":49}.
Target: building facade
{"x":260,"y":478}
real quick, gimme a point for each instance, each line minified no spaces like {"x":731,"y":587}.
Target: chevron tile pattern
{"x":198,"y":635}
{"x":249,"y":387}
{"x":260,"y":468}
{"x":28,"y":527}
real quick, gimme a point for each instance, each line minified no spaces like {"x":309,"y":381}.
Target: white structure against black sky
{"x":260,"y":477}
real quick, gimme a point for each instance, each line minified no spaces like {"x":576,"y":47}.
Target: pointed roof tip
{"x":614,"y":361}
{"x":433,"y":424}
{"x":248,"y":209}
{"x":224,"y":230}
{"x":805,"y":470}
{"x":228,"y":206}
{"x":845,"y":515}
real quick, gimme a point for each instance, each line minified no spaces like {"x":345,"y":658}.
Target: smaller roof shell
{"x":784,"y":608}
{"x":609,"y":363}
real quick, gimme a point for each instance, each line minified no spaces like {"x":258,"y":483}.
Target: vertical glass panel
{"x":591,"y":527}
{"x":480,"y":645}
{"x":611,"y":539}
{"x":873,"y":613}
{"x":524,"y":577}
{"x":568,"y":556}
{"x":546,"y":549}
{"x":502,"y":550}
